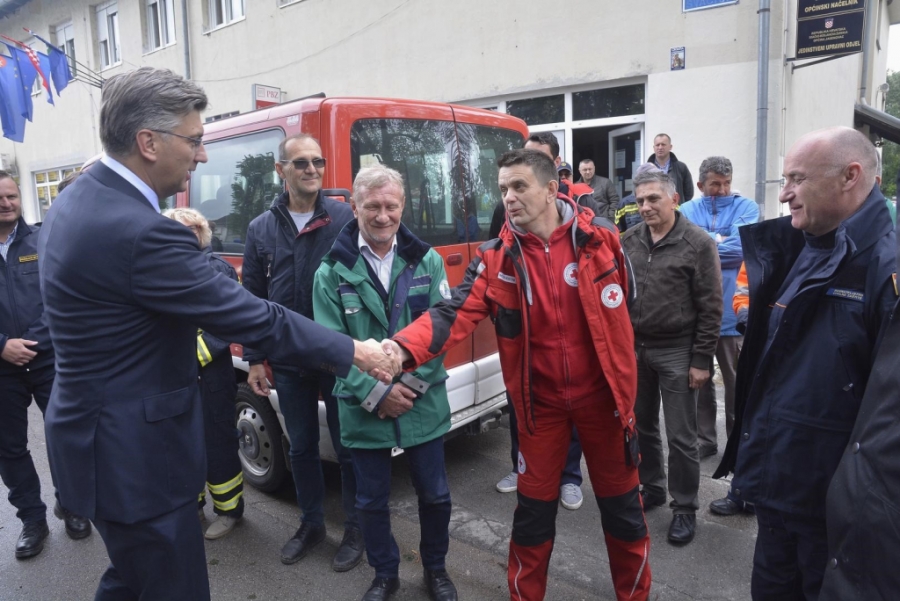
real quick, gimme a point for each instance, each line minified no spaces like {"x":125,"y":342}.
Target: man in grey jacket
{"x":676,"y":320}
{"x":604,"y":190}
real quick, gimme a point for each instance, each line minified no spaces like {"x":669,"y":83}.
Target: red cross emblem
{"x":613,"y":295}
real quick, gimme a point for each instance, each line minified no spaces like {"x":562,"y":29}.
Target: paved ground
{"x":245,"y":565}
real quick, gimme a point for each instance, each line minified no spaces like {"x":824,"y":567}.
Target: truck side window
{"x":236,"y":184}
{"x":450,"y":170}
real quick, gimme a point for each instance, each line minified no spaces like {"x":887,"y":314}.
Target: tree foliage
{"x":890,"y":155}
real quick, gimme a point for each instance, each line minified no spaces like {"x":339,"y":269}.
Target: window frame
{"x":108,"y":33}
{"x":159,"y":31}
{"x":224,"y":9}
{"x":49,"y":185}
{"x":67,"y":30}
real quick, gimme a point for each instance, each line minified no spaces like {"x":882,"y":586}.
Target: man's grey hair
{"x":188,"y":217}
{"x":146,"y":98}
{"x":375,"y":178}
{"x":655,"y":177}
{"x":717,"y":165}
{"x":282,"y":148}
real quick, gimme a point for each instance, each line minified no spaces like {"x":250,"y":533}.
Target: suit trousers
{"x":16,"y":465}
{"x":159,"y":559}
{"x":571,"y":473}
{"x":663,"y":372}
{"x":298,"y":396}
{"x":727,"y":351}
{"x":790,"y":557}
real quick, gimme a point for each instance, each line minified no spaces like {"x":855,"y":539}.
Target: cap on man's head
{"x":564,"y":166}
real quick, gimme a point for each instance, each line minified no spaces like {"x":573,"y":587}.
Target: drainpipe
{"x":871,"y":7}
{"x":187,"y":39}
{"x":762,"y":104}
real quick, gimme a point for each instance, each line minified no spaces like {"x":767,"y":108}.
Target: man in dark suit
{"x":125,"y":290}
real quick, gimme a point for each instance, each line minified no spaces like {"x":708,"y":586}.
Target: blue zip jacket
{"x":21,"y":306}
{"x":796,"y":400}
{"x":280,"y":262}
{"x":723,"y":215}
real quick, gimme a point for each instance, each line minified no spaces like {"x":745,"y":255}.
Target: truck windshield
{"x":238,"y":183}
{"x":449,"y":169}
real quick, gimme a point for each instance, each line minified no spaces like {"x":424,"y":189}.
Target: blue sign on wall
{"x":689,"y":5}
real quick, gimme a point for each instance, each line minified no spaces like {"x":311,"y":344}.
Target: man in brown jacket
{"x":676,"y":320}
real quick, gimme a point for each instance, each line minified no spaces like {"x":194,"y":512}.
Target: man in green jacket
{"x":378,"y":278}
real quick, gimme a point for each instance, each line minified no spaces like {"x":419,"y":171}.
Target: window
{"x":533,"y":111}
{"x":46,"y":184}
{"x":222,"y":12}
{"x":108,"y":34}
{"x":449,"y":171}
{"x":236,"y":184}
{"x":608,"y":102}
{"x":64,"y":36}
{"x":160,"y":23}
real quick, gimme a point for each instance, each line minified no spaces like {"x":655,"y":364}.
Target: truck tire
{"x":261,"y":453}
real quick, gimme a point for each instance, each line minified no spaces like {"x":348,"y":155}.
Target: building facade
{"x":605,"y":76}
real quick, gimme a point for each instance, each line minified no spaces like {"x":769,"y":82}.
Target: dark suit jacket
{"x":125,"y":290}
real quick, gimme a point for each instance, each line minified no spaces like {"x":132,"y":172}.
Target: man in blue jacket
{"x":26,"y":371}
{"x":285,"y":246}
{"x":125,"y":290}
{"x":821,"y":287}
{"x":720,"y":214}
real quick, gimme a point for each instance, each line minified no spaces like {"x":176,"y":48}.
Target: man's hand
{"x":17,"y":352}
{"x":369,"y":357}
{"x":391,"y":348}
{"x":398,"y":401}
{"x":697,"y":377}
{"x":257,"y":379}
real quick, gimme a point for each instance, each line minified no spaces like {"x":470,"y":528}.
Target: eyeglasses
{"x":195,"y":142}
{"x":302,"y":164}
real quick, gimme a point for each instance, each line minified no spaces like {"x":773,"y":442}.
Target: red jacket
{"x":497,"y":285}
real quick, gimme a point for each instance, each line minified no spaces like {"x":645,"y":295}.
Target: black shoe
{"x":682,"y":529}
{"x":708,"y":452}
{"x":381,"y":589}
{"x":76,"y":526}
{"x":31,"y":541}
{"x":439,"y":585}
{"x":652,"y":501}
{"x":727,"y":506}
{"x":306,"y":537}
{"x":350,"y":553}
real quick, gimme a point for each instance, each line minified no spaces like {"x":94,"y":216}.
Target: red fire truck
{"x":447,"y":155}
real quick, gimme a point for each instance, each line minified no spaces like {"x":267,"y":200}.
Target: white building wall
{"x":469,"y":51}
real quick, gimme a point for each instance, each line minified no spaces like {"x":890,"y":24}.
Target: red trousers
{"x":542,"y":454}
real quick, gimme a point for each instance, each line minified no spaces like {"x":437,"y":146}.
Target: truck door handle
{"x":454,"y":259}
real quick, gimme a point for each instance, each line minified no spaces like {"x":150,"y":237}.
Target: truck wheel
{"x":261,"y":454}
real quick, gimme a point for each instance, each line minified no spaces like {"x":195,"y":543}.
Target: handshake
{"x":382,"y":360}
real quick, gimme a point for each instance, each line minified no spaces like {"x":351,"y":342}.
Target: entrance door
{"x":625,"y":155}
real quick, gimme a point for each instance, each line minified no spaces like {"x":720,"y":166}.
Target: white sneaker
{"x":220,"y":527}
{"x":509,"y":483}
{"x":570,"y":496}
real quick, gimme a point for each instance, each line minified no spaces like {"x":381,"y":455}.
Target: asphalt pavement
{"x":245,"y":565}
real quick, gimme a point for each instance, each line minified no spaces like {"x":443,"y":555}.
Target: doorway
{"x":604,"y":146}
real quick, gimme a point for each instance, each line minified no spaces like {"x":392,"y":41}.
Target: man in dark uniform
{"x":125,"y":290}
{"x":26,"y":371}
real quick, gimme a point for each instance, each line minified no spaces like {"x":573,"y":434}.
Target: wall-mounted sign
{"x":264,"y":96}
{"x":829,"y":27}
{"x":676,"y":59}
{"x":689,"y":5}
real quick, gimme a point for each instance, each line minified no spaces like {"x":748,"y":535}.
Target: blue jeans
{"x":571,"y":473}
{"x":298,"y":396}
{"x":16,"y":466}
{"x":429,"y":478}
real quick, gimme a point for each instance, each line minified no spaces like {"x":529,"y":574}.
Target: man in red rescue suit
{"x":556,"y":285}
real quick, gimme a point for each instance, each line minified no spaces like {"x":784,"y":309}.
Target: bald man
{"x":811,"y":332}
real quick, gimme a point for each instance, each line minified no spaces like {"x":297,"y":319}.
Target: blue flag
{"x":27,"y":74}
{"x":59,"y":65}
{"x":11,"y":110}
{"x":44,"y":62}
